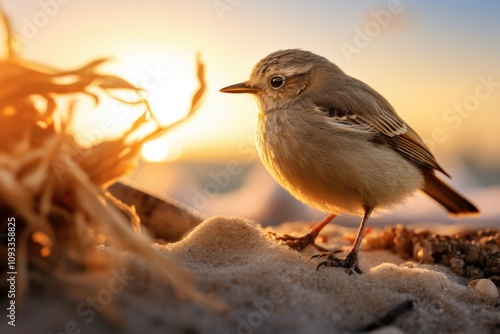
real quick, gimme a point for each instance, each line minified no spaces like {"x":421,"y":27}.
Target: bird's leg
{"x":351,"y":260}
{"x":299,"y":243}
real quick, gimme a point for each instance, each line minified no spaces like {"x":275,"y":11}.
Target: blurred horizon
{"x":436,"y":63}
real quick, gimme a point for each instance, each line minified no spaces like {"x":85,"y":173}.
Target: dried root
{"x":55,"y":189}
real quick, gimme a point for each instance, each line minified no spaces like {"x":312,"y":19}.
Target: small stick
{"x":389,"y":317}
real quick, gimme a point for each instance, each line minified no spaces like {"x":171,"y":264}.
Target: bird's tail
{"x":455,"y":203}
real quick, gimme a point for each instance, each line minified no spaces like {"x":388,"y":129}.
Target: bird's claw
{"x":350,"y":262}
{"x":297,"y":243}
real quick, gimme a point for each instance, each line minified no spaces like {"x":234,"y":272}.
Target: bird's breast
{"x":328,"y":169}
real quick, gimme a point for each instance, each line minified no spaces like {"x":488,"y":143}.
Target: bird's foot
{"x":299,"y":243}
{"x":350,"y":262}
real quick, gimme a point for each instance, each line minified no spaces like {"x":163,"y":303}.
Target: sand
{"x":269,"y":288}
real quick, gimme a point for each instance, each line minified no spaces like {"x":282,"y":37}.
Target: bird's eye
{"x":277,"y":81}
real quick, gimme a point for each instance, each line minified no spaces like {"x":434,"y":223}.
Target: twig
{"x":195,"y":103}
{"x":389,"y":317}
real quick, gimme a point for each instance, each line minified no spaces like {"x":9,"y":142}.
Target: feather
{"x":362,"y":108}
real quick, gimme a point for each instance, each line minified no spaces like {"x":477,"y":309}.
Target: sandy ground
{"x":268,"y":288}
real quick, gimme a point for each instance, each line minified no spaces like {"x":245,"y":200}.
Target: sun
{"x":156,"y":150}
{"x":168,"y":82}
{"x":161,"y":150}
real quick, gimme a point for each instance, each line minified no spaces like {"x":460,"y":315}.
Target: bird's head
{"x":281,"y":77}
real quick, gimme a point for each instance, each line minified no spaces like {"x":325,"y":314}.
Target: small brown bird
{"x":336,"y":144}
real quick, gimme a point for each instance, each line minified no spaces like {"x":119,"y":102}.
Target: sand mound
{"x":271,"y":288}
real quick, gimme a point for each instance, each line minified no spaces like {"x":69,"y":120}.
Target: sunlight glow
{"x":168,"y":80}
{"x":155,"y":151}
{"x":159,"y":150}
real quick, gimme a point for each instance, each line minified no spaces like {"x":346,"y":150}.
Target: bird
{"x":336,"y":144}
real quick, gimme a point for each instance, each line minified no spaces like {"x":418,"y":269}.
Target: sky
{"x":437,"y":63}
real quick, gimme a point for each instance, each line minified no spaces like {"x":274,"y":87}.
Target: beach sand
{"x":269,"y":288}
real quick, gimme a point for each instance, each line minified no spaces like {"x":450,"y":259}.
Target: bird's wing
{"x":361,"y":106}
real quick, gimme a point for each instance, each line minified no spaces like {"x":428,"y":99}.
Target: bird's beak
{"x":243,"y":87}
